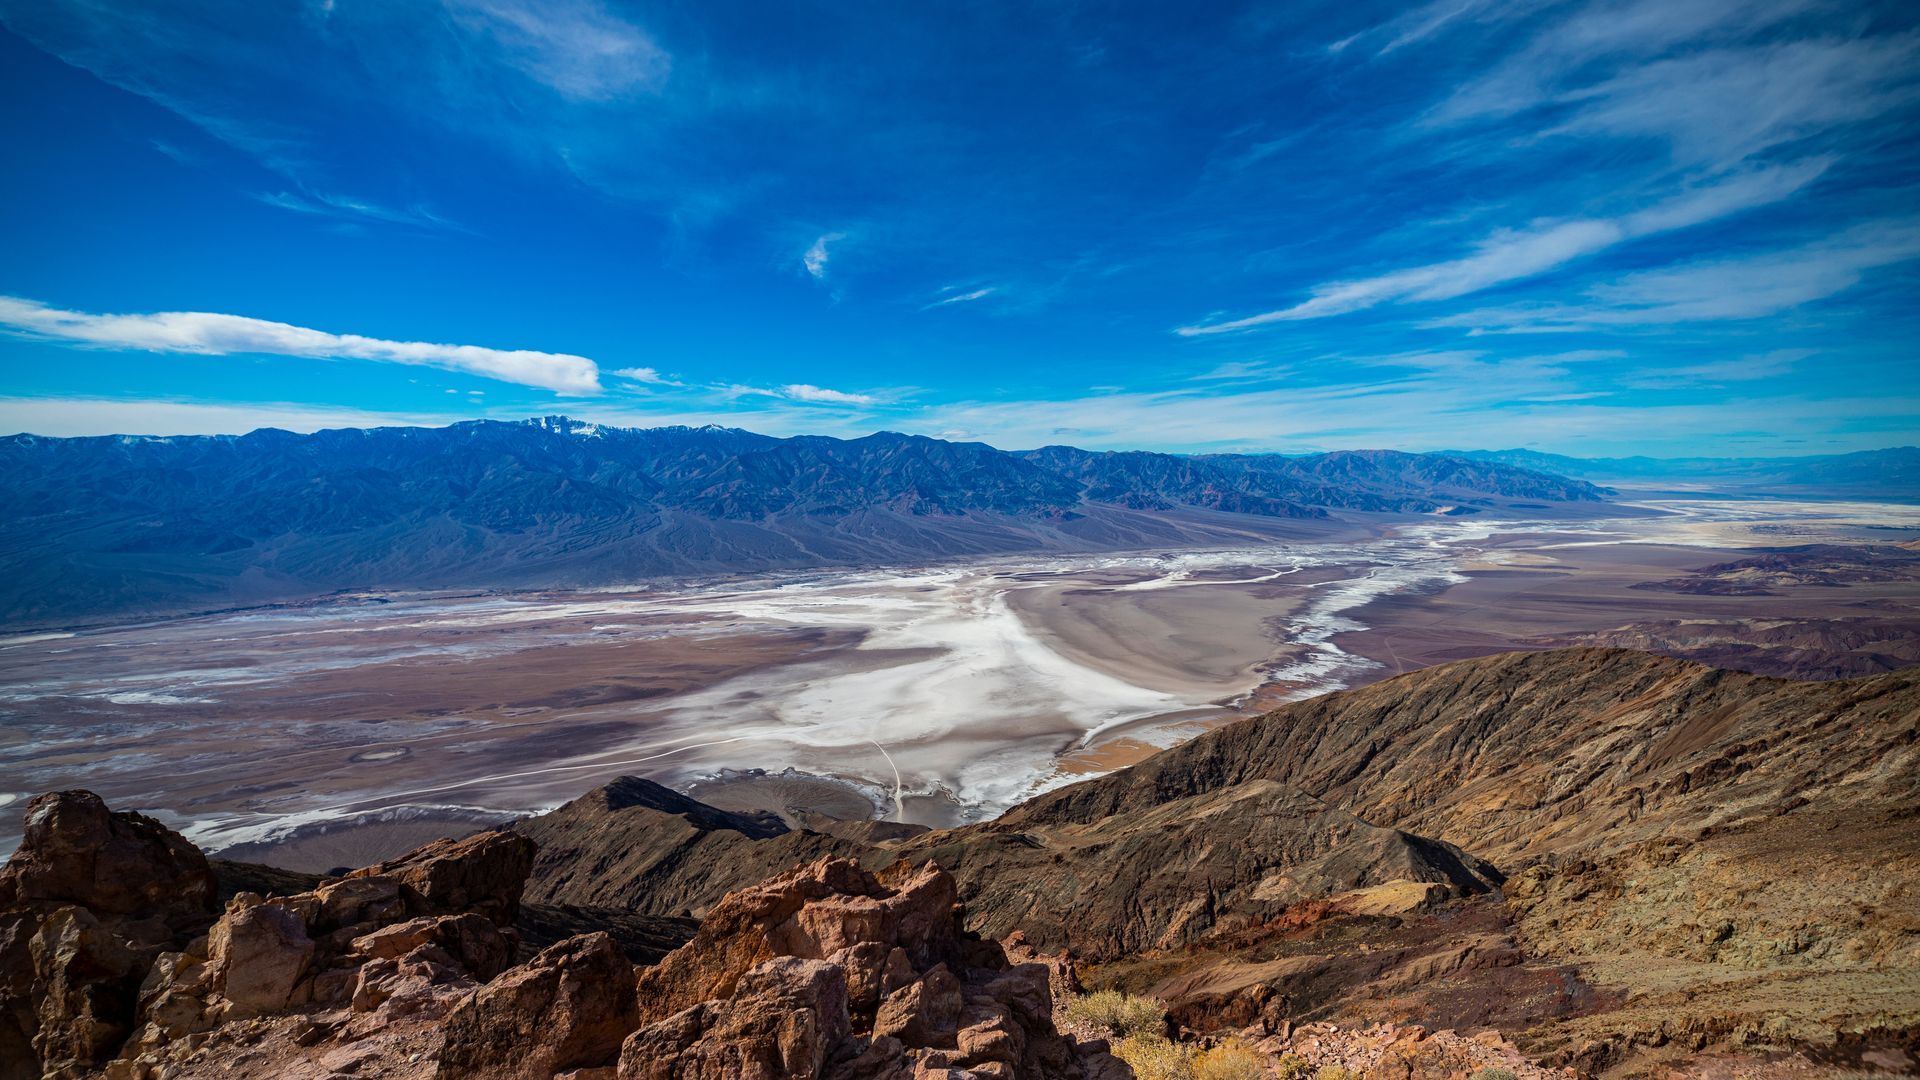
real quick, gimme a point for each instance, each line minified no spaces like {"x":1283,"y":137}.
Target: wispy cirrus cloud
{"x":956,"y":297}
{"x":1513,"y":255}
{"x":820,"y":394}
{"x":804,"y":393}
{"x":343,"y":207}
{"x":1714,"y":290}
{"x":1739,"y":369}
{"x":1427,"y":20}
{"x":1722,"y":107}
{"x":212,"y":334}
{"x":578,"y":48}
{"x":650,"y":376}
{"x":814,"y":259}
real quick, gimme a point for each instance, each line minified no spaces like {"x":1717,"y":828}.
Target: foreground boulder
{"x":116,"y":961}
{"x":829,"y":971}
{"x":567,"y":1008}
{"x":87,"y":904}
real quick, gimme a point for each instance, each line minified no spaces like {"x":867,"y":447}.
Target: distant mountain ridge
{"x":139,"y":524}
{"x":1891,"y":473}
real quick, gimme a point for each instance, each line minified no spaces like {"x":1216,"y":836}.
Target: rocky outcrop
{"x":87,"y":904}
{"x":833,"y":972}
{"x":116,"y":865}
{"x":484,"y":873}
{"x":405,"y":938}
{"x":112,"y":959}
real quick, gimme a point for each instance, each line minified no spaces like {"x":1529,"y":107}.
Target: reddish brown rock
{"x":812,"y":912}
{"x":483,"y":873}
{"x":785,"y":1019}
{"x":925,"y":1012}
{"x":471,"y":940}
{"x":87,"y":903}
{"x":830,"y":971}
{"x":567,"y":1008}
{"x":76,"y":851}
{"x":258,"y":956}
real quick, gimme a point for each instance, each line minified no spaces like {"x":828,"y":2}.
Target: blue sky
{"x":1661,"y":226}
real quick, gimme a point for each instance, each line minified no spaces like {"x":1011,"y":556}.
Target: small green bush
{"x":1491,"y":1073}
{"x":1335,"y":1072}
{"x":1117,"y":1015}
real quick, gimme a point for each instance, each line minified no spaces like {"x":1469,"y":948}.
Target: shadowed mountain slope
{"x":1521,"y":754}
{"x":1603,"y":852}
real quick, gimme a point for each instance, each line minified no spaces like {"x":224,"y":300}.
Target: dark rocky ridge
{"x":1625,"y":799}
{"x":126,"y":524}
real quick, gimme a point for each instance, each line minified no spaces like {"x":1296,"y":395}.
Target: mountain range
{"x":121,"y":525}
{"x":1893,"y":473}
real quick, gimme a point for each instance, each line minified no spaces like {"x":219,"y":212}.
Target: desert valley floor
{"x":336,"y":732}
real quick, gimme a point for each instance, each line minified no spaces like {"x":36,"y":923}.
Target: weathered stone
{"x":76,"y":851}
{"x":258,"y":955}
{"x":865,"y":965}
{"x":786,"y":1019}
{"x":812,"y":912}
{"x":473,"y":941}
{"x":87,"y":903}
{"x":569,"y":1007}
{"x":923,"y":1013}
{"x":359,"y":901}
{"x":89,"y":979}
{"x":483,"y":873}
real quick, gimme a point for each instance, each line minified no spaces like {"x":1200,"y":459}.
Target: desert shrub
{"x":1229,"y":1061}
{"x":1491,"y":1073}
{"x":1292,"y":1067}
{"x":1152,"y":1057}
{"x":1335,"y":1072}
{"x":1115,"y":1014}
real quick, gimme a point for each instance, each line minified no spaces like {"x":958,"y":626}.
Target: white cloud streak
{"x":965,"y":297}
{"x":340,"y":206}
{"x":210,"y":334}
{"x":648,"y":375}
{"x":822,"y":395}
{"x":1512,"y":255}
{"x":815,"y":257}
{"x":577,"y":48}
{"x":1726,"y":106}
{"x":1712,"y":290}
